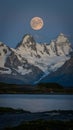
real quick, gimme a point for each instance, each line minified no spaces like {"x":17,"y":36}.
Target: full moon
{"x":36,"y":23}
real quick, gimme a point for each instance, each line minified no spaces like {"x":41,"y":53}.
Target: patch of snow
{"x":23,"y":71}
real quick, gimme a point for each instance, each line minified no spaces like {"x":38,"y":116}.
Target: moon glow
{"x":36,"y":23}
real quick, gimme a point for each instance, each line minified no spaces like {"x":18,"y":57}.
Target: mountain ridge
{"x":63,"y":76}
{"x":30,"y":61}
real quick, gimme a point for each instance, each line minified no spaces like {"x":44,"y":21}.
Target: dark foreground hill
{"x":12,"y":119}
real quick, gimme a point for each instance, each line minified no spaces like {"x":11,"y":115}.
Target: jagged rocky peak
{"x":61,"y":45}
{"x":28,"y":41}
{"x":62,"y":39}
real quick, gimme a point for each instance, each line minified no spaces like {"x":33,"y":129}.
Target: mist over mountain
{"x":30,"y":62}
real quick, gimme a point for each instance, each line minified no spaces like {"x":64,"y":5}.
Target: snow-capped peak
{"x":27,"y":40}
{"x":62,"y":38}
{"x":61,"y":45}
{"x":33,"y":58}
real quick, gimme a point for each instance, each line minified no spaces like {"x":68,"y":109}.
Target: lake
{"x":37,"y":102}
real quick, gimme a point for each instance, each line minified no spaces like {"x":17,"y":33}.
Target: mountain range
{"x":31,"y":62}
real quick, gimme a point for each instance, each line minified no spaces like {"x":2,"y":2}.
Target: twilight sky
{"x":15,"y":16}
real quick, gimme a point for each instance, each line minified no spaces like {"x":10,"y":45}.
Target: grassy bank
{"x":44,"y":125}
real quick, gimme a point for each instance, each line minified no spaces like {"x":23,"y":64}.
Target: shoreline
{"x":10,"y":109}
{"x":17,"y":118}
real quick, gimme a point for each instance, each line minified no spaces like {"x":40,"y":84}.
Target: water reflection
{"x":37,"y":103}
